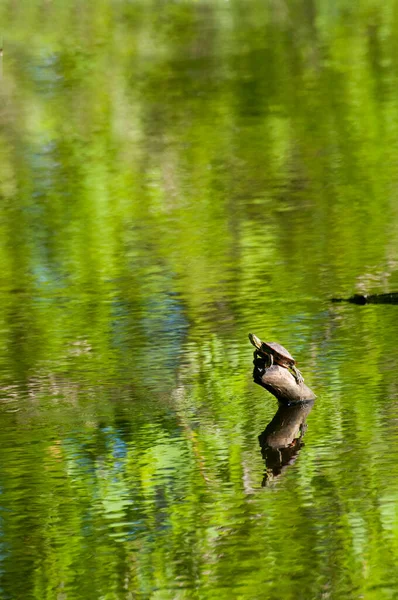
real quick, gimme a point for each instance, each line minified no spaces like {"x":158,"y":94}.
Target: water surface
{"x":172,"y":176}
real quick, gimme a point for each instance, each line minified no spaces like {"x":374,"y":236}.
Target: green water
{"x":174,"y":175}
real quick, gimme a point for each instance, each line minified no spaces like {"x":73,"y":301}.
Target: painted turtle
{"x":277,"y":354}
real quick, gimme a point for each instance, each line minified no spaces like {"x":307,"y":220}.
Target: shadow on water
{"x":281,"y":440}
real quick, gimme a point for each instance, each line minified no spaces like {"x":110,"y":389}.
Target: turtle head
{"x":255,"y":341}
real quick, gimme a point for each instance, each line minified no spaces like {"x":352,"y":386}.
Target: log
{"x":361,"y":299}
{"x":280,"y":382}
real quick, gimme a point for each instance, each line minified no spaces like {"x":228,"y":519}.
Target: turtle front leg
{"x":297,"y":375}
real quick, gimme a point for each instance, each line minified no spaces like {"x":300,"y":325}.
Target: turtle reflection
{"x":281,"y":440}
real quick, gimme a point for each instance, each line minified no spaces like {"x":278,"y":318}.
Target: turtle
{"x":277,"y":354}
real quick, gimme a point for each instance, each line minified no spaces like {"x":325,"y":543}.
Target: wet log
{"x":281,"y":383}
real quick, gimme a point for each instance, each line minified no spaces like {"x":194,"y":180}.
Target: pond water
{"x":174,"y":175}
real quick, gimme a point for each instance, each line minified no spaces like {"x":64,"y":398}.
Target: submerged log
{"x":281,"y":383}
{"x":361,"y":299}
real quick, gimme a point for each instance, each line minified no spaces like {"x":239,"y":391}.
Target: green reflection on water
{"x":173,"y":176}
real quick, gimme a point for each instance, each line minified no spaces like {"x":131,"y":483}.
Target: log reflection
{"x":281,"y":440}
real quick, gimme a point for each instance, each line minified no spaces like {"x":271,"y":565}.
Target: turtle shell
{"x":278,"y":351}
